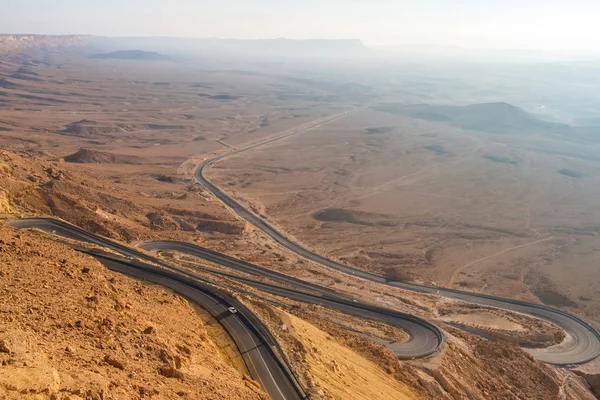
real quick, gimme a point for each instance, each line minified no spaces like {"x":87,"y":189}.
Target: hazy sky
{"x":542,"y":24}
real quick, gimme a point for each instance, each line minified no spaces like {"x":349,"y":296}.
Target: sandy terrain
{"x":143,"y":134}
{"x":424,"y":201}
{"x":484,"y":319}
{"x":341,"y":190}
{"x":468,"y":367}
{"x":320,"y":371}
{"x":341,"y":371}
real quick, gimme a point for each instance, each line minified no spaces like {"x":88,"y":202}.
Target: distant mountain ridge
{"x":20,"y":42}
{"x":497,"y":117}
{"x":133,"y":55}
{"x":12,"y":46}
{"x":320,"y":48}
{"x":271,"y":48}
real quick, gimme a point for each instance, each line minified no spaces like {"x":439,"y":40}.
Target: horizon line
{"x":373,"y":46}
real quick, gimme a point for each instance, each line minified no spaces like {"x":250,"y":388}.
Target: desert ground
{"x":111,"y":146}
{"x":434,"y":203}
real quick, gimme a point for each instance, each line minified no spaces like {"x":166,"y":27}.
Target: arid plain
{"x":431,"y":202}
{"x":112,"y":145}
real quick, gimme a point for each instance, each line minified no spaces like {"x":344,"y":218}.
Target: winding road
{"x":252,"y":339}
{"x":424,"y":337}
{"x":581,"y":345}
{"x":257,"y":346}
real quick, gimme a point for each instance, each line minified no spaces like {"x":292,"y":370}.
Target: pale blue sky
{"x":542,"y":24}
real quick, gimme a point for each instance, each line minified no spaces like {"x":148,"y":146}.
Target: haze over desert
{"x":295,"y":219}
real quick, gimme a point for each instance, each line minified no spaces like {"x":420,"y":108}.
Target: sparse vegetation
{"x":264,"y":122}
{"x":164,"y":178}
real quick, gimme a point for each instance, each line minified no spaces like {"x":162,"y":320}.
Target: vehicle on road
{"x":232,"y":310}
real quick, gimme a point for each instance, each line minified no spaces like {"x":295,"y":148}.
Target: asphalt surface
{"x":583,"y":341}
{"x":253,"y":341}
{"x":424,"y":337}
{"x":262,"y":364}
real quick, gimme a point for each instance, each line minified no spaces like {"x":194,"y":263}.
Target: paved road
{"x":263,"y":365}
{"x":425,"y":338}
{"x":583,"y":342}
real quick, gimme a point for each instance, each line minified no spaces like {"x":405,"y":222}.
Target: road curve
{"x":424,"y":337}
{"x":582,"y":343}
{"x":256,"y":349}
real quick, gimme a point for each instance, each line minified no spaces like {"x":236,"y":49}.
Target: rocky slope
{"x":61,"y":312}
{"x":12,"y":45}
{"x":468,"y":367}
{"x":71,"y":329}
{"x":86,"y":156}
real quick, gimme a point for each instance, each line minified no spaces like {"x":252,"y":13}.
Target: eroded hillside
{"x":143,"y":137}
{"x":70,"y":328}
